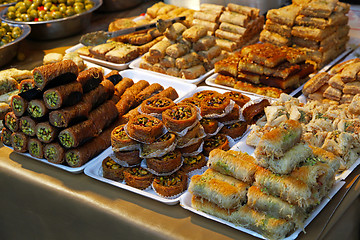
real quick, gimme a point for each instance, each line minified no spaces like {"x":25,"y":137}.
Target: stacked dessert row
{"x":282,"y":69}
{"x":183,"y":52}
{"x":165,"y":141}
{"x":274,"y":192}
{"x":318,"y":27}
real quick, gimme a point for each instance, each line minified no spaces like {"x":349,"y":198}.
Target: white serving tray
{"x":185,"y":202}
{"x":94,"y":170}
{"x":136,"y":65}
{"x":65,"y":167}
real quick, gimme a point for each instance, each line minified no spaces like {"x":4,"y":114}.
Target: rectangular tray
{"x":135,"y":64}
{"x":185,"y":202}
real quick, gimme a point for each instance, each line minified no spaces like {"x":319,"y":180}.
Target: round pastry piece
{"x":233,"y":115}
{"x":234,"y":130}
{"x":138,"y":177}
{"x":132,"y":158}
{"x":166,"y":163}
{"x":214,"y":105}
{"x":195,"y":133}
{"x":237,"y":97}
{"x":12,"y":122}
{"x":171,"y":185}
{"x":192,"y":163}
{"x":19,"y":142}
{"x":112,"y":170}
{"x":219,"y":141}
{"x":210,"y":125}
{"x":192,"y":148}
{"x":205,"y":94}
{"x":6,"y":136}
{"x":156,"y":105}
{"x":161,"y":144}
{"x":120,"y":140}
{"x":179,"y":117}
{"x":192,"y":100}
{"x":145,"y":128}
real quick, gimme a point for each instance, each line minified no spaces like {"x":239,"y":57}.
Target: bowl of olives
{"x":11,"y":34}
{"x":51,"y":19}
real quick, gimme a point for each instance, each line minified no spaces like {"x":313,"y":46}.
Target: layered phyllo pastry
{"x":214,"y":105}
{"x":166,"y":163}
{"x":163,"y":145}
{"x":112,"y":170}
{"x":204,"y":94}
{"x":121,"y":141}
{"x":192,"y":163}
{"x":156,"y":105}
{"x":234,"y":130}
{"x":171,"y":185}
{"x":233,"y":115}
{"x":210,"y":125}
{"x":219,"y":141}
{"x":179,"y":117}
{"x":138,"y":177}
{"x":237,"y":97}
{"x":131,"y":158}
{"x":192,"y":100}
{"x":145,"y":128}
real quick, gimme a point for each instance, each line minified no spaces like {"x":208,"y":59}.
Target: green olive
{"x":19,"y":4}
{"x":47,"y":17}
{"x":18,"y":19}
{"x":2,"y":32}
{"x":70,"y":12}
{"x":62,"y":9}
{"x":22,"y":9}
{"x":47,"y":6}
{"x":70,"y":2}
{"x":33,"y":14}
{"x":11,"y":15}
{"x":11,"y":9}
{"x":27,"y":3}
{"x":54,"y":8}
{"x":56,"y":15}
{"x":88,"y":7}
{"x":41,"y":14}
{"x":6,"y":26}
{"x":17,"y":15}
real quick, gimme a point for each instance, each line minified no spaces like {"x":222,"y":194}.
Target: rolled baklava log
{"x":125,"y":103}
{"x":26,"y":85}
{"x":148,"y":92}
{"x":18,"y":105}
{"x":169,"y":92}
{"x":227,"y":192}
{"x":136,"y":88}
{"x":37,"y":108}
{"x":19,"y":142}
{"x":103,"y":115}
{"x":138,"y":177}
{"x":77,"y":134}
{"x":54,"y":153}
{"x":55,"y":73}
{"x":90,"y":78}
{"x":27,"y":125}
{"x":113,"y":77}
{"x":124,"y":84}
{"x":45,"y":132}
{"x":6,"y":136}
{"x":12,"y":122}
{"x":36,"y":148}
{"x":77,"y":157}
{"x":63,"y":95}
{"x":112,"y":170}
{"x":172,"y":185}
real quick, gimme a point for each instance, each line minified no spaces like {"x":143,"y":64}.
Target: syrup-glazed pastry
{"x":179,"y":117}
{"x":138,"y":177}
{"x":145,"y":128}
{"x":170,"y":185}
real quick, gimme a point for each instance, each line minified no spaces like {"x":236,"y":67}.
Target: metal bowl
{"x":57,"y":28}
{"x":9,"y":51}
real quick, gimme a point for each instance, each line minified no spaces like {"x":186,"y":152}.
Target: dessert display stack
{"x":208,"y":16}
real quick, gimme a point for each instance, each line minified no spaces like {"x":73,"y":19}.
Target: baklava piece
{"x":162,"y":144}
{"x":219,"y":141}
{"x":172,"y":185}
{"x":145,"y":128}
{"x":179,"y":117}
{"x":156,"y":105}
{"x":166,"y":163}
{"x":121,"y":141}
{"x":192,"y":163}
{"x":138,"y":177}
{"x":112,"y":170}
{"x":210,"y":125}
{"x":237,"y":97}
{"x":234,"y":130}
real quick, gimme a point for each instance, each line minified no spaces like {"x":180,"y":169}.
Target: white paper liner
{"x":198,"y":171}
{"x":194,"y":140}
{"x":164,"y":131}
{"x":121,"y":162}
{"x":157,"y":115}
{"x":127,"y":148}
{"x":159,"y":152}
{"x":220,"y":126}
{"x":185,"y":130}
{"x":144,"y":165}
{"x":231,"y":141}
{"x":169,"y":197}
{"x":227,"y":110}
{"x":197,"y":152}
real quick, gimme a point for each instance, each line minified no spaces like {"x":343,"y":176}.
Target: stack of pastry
{"x":183,"y":52}
{"x":280,"y":68}
{"x":208,"y":16}
{"x":338,"y":86}
{"x":271,"y":199}
{"x":318,"y":27}
{"x":239,"y":26}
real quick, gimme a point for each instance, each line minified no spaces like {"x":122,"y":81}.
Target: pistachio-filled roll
{"x":18,"y":105}
{"x":65,"y":116}
{"x":63,"y":95}
{"x":36,"y":148}
{"x":169,"y":92}
{"x":26,"y":85}
{"x":55,"y":73}
{"x":45,"y":132}
{"x":77,"y":134}
{"x":227,"y":192}
{"x":12,"y":122}
{"x":54,"y":153}
{"x":19,"y":141}
{"x":6,"y":136}
{"x":27,"y":125}
{"x":124,"y":84}
{"x":77,"y":157}
{"x":103,"y":115}
{"x":37,"y":108}
{"x":90,"y":78}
